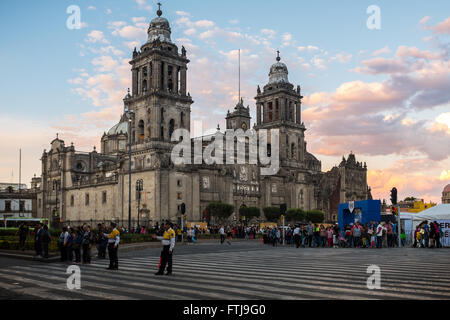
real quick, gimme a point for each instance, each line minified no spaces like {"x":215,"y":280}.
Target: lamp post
{"x":130,"y":114}
{"x":139,"y":188}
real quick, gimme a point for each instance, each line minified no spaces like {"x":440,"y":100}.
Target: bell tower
{"x":159,"y":96}
{"x":278,"y":106}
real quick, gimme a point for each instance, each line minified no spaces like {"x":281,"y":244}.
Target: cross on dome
{"x":159,"y":12}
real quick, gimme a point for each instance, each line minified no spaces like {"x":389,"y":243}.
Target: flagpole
{"x":239,"y":75}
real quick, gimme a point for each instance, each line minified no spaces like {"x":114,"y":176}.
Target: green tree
{"x":220,"y":210}
{"x":272,"y":213}
{"x":295,"y":215}
{"x":315,"y":216}
{"x":249,"y":212}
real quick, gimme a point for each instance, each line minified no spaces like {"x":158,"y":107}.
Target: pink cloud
{"x":442,"y":27}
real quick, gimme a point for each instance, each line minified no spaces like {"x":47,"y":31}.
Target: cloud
{"x":382,"y":65}
{"x":91,"y":8}
{"x":414,"y":52}
{"x":342,"y":57}
{"x":384,"y":50}
{"x":424,"y":20}
{"x":269,"y":33}
{"x":445,"y":175}
{"x":96,"y":36}
{"x":143,"y":5}
{"x":105,"y":63}
{"x":442,"y":27}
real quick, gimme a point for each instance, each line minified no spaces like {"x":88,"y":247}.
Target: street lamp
{"x":139,"y":189}
{"x":130,"y":115}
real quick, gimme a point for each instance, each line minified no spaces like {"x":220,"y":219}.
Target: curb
{"x":125,"y":248}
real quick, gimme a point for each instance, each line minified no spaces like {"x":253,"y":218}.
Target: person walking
{"x":101,"y":241}
{"x":379,"y":234}
{"x":356,"y":236}
{"x":23,"y":233}
{"x":426,"y":234}
{"x":38,"y":240}
{"x":62,"y":244}
{"x":310,"y":229}
{"x":330,"y":237}
{"x":77,"y":245}
{"x":69,"y":245}
{"x":437,"y":236}
{"x":168,"y":243}
{"x":46,"y":239}
{"x":113,"y":247}
{"x":296,"y":235}
{"x":86,"y":244}
{"x":222,"y":234}
{"x":229,"y":236}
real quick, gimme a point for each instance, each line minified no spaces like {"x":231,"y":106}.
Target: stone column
{"x":175,"y":79}
{"x":156,"y":74}
{"x":183,"y":84}
{"x":166,"y":76}
{"x":258,"y":114}
{"x":134,"y":73}
{"x":282,"y":103}
{"x":298,"y":113}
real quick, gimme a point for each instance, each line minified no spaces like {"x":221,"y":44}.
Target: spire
{"x":159,"y":12}
{"x":278,"y":56}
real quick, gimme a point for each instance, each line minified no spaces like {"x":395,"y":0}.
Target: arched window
{"x":144,"y":86}
{"x":162,"y":133}
{"x":301,"y":199}
{"x":277,"y":110}
{"x":171,"y":128}
{"x":141,"y":128}
{"x":270,"y":118}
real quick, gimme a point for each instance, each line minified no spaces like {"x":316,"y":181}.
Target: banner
{"x":444,"y":225}
{"x":351,"y":206}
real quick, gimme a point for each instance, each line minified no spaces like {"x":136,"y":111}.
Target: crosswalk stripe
{"x":387,"y":273}
{"x":20,"y":277}
{"x":125,"y":287}
{"x":201,"y":269}
{"x":281,"y":273}
{"x":258,"y":291}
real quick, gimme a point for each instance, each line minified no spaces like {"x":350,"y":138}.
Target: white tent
{"x":439,"y":213}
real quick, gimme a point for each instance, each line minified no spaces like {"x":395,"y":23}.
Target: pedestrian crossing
{"x":257,"y":274}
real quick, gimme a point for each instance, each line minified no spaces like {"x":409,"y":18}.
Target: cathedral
{"x":93,"y":187}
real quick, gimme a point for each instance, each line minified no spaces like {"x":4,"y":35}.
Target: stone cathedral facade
{"x":93,"y":186}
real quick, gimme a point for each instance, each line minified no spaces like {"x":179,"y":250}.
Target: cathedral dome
{"x":159,"y":29}
{"x":120,"y":128}
{"x":446,"y":189}
{"x":278,"y":72}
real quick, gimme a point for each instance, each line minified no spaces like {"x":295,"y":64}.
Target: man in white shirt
{"x":222,"y":234}
{"x":297,"y":236}
{"x":379,"y":232}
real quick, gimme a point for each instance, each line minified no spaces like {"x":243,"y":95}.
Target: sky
{"x":383,"y":94}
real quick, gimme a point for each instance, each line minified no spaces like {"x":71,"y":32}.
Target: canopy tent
{"x":439,"y":213}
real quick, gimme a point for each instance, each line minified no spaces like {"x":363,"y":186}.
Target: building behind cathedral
{"x":93,"y":186}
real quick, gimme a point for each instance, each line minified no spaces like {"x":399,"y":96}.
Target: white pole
{"x":239,"y":76}
{"x":399,"y":222}
{"x":182,"y":228}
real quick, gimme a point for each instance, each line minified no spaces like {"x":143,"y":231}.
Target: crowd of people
{"x":358,"y":235}
{"x":428,"y":235}
{"x":75,"y":243}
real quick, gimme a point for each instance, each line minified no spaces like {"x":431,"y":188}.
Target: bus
{"x":14,"y":223}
